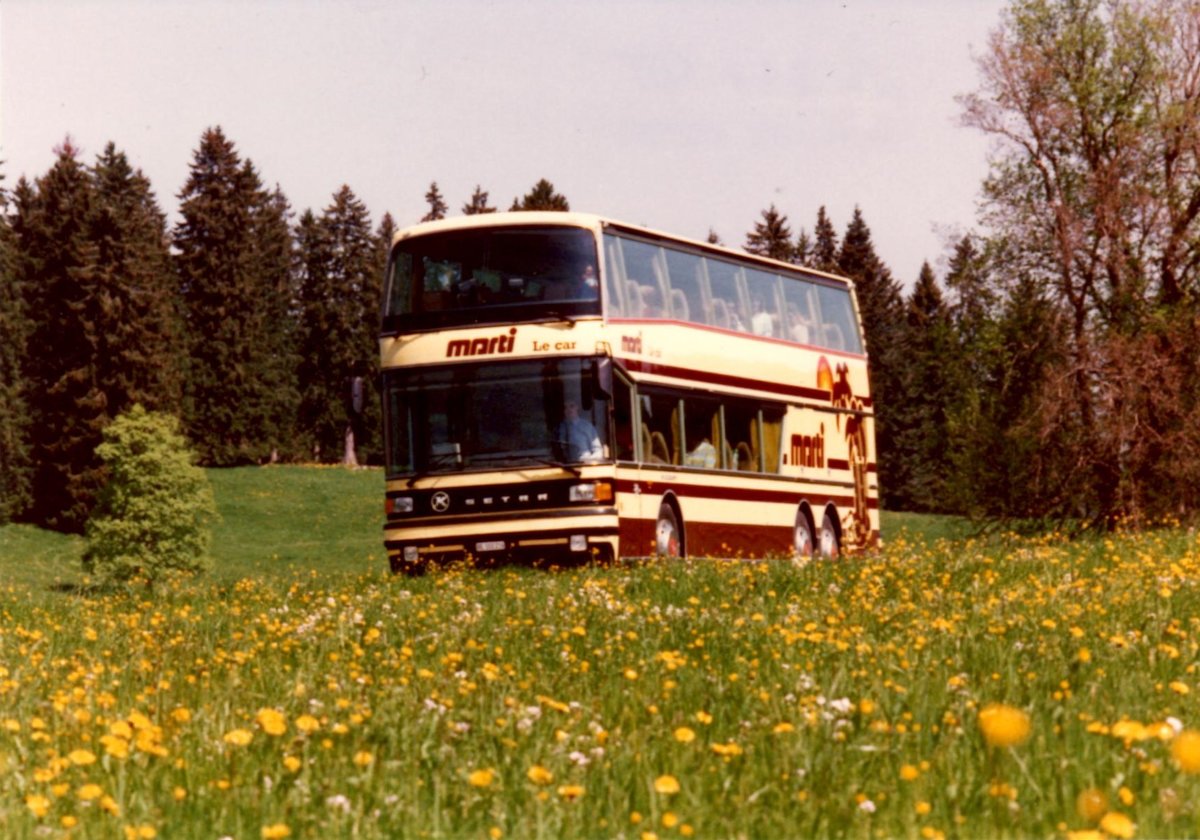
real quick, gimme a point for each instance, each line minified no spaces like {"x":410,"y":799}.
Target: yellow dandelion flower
{"x":37,"y":804}
{"x":909,"y":772}
{"x":68,"y":821}
{"x":363,"y":758}
{"x":89,"y":792}
{"x":481,"y":778}
{"x":110,"y":805}
{"x":666,"y":785}
{"x":783,"y":728}
{"x":291,"y":763}
{"x":181,"y":715}
{"x":1180,"y":687}
{"x":272,"y":721}
{"x":239,"y":737}
{"x":570,"y":792}
{"x":179,"y":793}
{"x":866,"y":706}
{"x":1091,"y":804}
{"x":1186,"y":751}
{"x":539,"y":775}
{"x":81,"y":758}
{"x":726,"y":750}
{"x":1116,"y":824}
{"x":140,"y":832}
{"x":923,"y":808}
{"x":670,"y":820}
{"x":276,"y":832}
{"x":703,"y":717}
{"x":307,"y":723}
{"x":684,"y":735}
{"x":114,"y":746}
{"x":1004,"y":726}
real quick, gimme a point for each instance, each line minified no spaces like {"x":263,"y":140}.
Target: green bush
{"x":155,"y":513}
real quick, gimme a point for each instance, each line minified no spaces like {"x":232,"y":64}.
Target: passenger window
{"x":771,"y":421}
{"x":800,"y":305}
{"x":724,"y":283}
{"x":660,"y":437}
{"x":702,"y":432}
{"x":741,"y":432}
{"x":687,"y":298}
{"x":614,"y":282}
{"x":837,"y":319}
{"x":763,"y":289}
{"x":643,"y":276}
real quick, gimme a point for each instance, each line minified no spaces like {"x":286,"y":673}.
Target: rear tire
{"x":829,"y":537}
{"x":668,"y":539}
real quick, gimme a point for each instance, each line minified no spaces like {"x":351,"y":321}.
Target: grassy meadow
{"x":947,"y":686}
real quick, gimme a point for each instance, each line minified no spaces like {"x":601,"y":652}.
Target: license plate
{"x":491,"y":545}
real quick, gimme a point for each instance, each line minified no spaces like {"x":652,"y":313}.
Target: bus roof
{"x":519,"y":218}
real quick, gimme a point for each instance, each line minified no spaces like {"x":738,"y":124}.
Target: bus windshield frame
{"x":456,"y":418}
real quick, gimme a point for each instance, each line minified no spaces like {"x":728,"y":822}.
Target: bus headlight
{"x":593,"y":491}
{"x":399,"y":504}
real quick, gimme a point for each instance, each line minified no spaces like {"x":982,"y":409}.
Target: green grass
{"x":302,"y":686}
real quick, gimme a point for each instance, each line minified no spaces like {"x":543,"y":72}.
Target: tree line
{"x":1052,"y":371}
{"x":259,"y":330}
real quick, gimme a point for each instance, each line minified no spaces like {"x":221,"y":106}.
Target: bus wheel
{"x":667,"y":540}
{"x":829,"y":537}
{"x":802,"y":544}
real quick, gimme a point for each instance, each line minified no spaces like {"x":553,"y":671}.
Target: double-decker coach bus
{"x":560,"y":383}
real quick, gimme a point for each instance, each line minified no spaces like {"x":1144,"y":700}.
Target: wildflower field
{"x":953,"y":687}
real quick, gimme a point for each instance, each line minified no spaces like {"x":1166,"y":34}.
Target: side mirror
{"x":602,"y":378}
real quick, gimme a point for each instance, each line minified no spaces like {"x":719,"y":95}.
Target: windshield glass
{"x":495,"y":415}
{"x":492,"y":275}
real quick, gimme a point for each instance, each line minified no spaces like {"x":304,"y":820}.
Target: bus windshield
{"x":507,"y":414}
{"x":497,"y":275}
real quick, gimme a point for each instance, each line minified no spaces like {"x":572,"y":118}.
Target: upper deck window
{"x":493,"y":275}
{"x":649,"y":280}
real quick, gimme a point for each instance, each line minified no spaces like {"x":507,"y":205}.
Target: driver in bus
{"x":582,"y":287}
{"x":577,"y":436}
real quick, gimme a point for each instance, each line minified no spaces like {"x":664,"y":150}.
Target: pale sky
{"x":681,"y":115}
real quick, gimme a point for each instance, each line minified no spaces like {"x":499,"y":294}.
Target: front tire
{"x":668,"y":539}
{"x":802,"y":541}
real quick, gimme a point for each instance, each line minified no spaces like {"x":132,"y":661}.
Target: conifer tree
{"x":478,"y":203}
{"x":542,"y":197}
{"x":66,"y":407}
{"x":234,"y":265}
{"x":339,"y":331}
{"x":803,"y":249}
{"x":880,"y":305}
{"x":15,"y":464}
{"x":825,"y":245}
{"x":712,"y":238}
{"x":94,"y":268}
{"x":136,"y":362}
{"x":437,"y":204}
{"x":922,"y":464}
{"x":771,"y":237}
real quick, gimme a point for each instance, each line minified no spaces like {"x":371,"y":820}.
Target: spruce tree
{"x":881,"y":307}
{"x":94,"y":267}
{"x":542,"y":197}
{"x":58,"y":275}
{"x":825,"y":245}
{"x":771,"y":237}
{"x":234,"y":265}
{"x":339,"y":330}
{"x":437,"y":204}
{"x":15,"y":463}
{"x":478,"y":203}
{"x":922,"y":465}
{"x":137,"y":359}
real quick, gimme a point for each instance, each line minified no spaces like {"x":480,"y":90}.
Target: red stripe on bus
{"x":728,"y":381}
{"x":738,"y":494}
